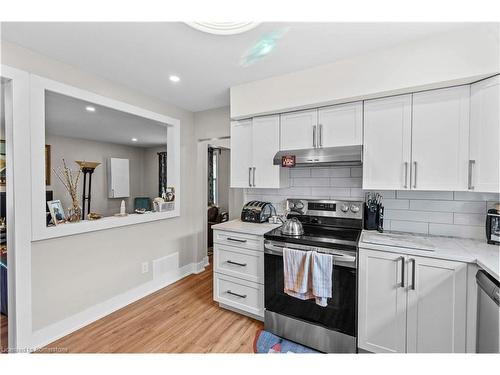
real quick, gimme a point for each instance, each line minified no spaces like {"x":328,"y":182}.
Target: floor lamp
{"x":87,"y":168}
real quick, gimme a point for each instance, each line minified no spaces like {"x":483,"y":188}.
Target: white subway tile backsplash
{"x":421,"y":216}
{"x":409,"y":226}
{"x":356,"y":172}
{"x":312,"y":182}
{"x":396,"y":204}
{"x":340,"y":172}
{"x":300,"y":172}
{"x":460,"y":214}
{"x":320,"y":172}
{"x":473,"y":196}
{"x":454,"y":230}
{"x":448,"y":206}
{"x":408,"y":194}
{"x":332,"y":193}
{"x":357,"y":193}
{"x":346,"y":182}
{"x":469,"y":219}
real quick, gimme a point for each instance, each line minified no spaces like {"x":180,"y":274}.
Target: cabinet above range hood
{"x":327,"y":156}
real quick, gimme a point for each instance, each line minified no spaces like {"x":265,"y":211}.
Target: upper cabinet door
{"x":299,"y":130}
{"x":265,"y":140}
{"x":437,"y":305}
{"x":340,"y":125}
{"x":387,"y":143}
{"x":484,"y":136}
{"x":241,"y":153}
{"x":440,"y":134}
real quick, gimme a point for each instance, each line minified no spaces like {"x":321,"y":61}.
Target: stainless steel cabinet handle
{"x":402,"y":259}
{"x":406,"y":175}
{"x":249,"y":176}
{"x":414,"y":174}
{"x":236,"y":240}
{"x":236,"y":294}
{"x":237,"y":264}
{"x":320,"y":135}
{"x":413,"y":274}
{"x":471,"y":164}
{"x":253,"y":180}
{"x":314,"y":135}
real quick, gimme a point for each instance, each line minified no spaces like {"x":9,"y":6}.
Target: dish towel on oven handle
{"x":321,"y":277}
{"x":296,"y":273}
{"x":307,"y":275}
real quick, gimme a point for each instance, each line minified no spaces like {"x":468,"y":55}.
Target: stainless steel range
{"x":331,"y":227}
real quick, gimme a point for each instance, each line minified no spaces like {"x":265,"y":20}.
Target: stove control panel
{"x":329,"y":208}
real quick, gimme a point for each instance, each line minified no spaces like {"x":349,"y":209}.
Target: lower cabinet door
{"x":382,"y":302}
{"x":436,"y":310}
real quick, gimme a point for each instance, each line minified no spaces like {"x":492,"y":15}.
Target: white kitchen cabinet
{"x":387,"y":143}
{"x":436,"y":310}
{"x":241,"y":153}
{"x":340,"y":125}
{"x":484,"y":144}
{"x":299,"y":130}
{"x":265,"y":144}
{"x":440,"y":134}
{"x":254,"y":143}
{"x":411,"y":304}
{"x":382,"y":302}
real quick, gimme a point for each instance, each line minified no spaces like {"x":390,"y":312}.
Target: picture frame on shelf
{"x":56,"y":211}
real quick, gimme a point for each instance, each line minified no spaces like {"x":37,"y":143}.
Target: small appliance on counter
{"x":374,"y":212}
{"x":493,"y":225}
{"x":257,"y":212}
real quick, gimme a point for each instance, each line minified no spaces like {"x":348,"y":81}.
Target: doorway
{"x":5,"y":116}
{"x":217,"y":189}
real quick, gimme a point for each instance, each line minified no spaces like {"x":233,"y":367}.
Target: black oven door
{"x":339,"y":314}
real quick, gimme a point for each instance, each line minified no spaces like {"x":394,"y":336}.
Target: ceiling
{"x":66,"y":116}
{"x":143,"y":55}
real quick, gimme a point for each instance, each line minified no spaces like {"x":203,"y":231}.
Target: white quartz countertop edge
{"x":239,"y":226}
{"x":446,"y":248}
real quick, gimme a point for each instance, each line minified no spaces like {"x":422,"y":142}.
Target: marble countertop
{"x":244,"y":227}
{"x":450,"y":248}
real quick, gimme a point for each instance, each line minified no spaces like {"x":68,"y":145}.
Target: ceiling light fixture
{"x":134,"y":139}
{"x":174,"y":78}
{"x":223,"y":28}
{"x":89,"y":108}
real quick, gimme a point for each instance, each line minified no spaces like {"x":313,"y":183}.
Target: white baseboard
{"x":66,"y":326}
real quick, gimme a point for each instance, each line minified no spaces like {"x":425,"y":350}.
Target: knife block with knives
{"x":374,"y":212}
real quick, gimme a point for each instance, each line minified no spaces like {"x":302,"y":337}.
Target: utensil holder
{"x":370,"y":215}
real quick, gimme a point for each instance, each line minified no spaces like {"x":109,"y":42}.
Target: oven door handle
{"x":277,"y":250}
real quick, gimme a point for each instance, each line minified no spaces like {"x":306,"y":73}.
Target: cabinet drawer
{"x":240,"y":294}
{"x":239,"y":262}
{"x":247,"y":241}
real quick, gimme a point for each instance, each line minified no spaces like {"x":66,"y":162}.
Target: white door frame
{"x":17,"y":134}
{"x":203,"y":145}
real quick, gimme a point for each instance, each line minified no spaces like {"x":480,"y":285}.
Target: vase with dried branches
{"x":70,"y":181}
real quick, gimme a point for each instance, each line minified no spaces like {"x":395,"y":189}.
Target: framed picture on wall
{"x":47,"y":165}
{"x":56,"y":212}
{"x":3,"y":164}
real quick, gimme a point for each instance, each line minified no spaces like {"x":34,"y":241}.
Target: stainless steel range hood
{"x":333,"y":156}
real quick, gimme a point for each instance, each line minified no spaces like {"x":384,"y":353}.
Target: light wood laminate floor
{"x":181,"y":318}
{"x":4,"y":344}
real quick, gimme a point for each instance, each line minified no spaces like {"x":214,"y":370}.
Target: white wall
{"x":442,"y":60}
{"x":73,"y":274}
{"x":212,"y":123}
{"x":444,"y":213}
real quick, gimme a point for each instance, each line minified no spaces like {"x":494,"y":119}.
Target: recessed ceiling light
{"x":89,"y":108}
{"x":223,"y":28}
{"x":134,"y":139}
{"x":174,"y":78}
